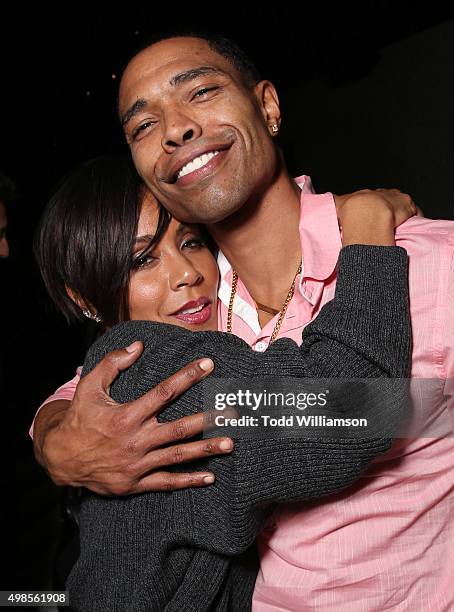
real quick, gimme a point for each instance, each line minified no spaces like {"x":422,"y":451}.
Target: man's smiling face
{"x":198,"y":134}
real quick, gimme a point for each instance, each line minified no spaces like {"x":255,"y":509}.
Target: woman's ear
{"x":75,"y":297}
{"x":87,"y":310}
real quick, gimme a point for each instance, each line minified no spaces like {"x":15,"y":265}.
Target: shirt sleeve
{"x":65,"y":392}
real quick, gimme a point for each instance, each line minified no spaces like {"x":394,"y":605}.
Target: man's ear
{"x":268,"y":102}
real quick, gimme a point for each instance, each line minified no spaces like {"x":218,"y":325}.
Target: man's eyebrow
{"x":133,"y":110}
{"x":195,"y":73}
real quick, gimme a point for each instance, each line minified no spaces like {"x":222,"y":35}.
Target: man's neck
{"x":262,"y":241}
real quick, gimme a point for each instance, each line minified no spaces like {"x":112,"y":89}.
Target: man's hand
{"x":119,"y":449}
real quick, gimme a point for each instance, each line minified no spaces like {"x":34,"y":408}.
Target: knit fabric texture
{"x":193,"y":549}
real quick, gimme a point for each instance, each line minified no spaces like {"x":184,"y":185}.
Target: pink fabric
{"x":65,"y":392}
{"x":387,"y":543}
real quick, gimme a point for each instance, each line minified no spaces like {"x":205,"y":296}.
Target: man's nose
{"x":179,"y":129}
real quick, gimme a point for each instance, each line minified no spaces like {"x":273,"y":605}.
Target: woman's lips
{"x":196,"y":318}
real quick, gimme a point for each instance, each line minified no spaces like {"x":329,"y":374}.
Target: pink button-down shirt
{"x":386,"y":543}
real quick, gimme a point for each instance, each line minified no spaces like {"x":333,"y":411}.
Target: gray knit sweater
{"x":192,"y":549}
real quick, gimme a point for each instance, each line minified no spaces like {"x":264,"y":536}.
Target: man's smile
{"x":200,"y":168}
{"x":195,"y":163}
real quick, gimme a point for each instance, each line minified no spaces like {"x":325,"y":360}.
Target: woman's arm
{"x":168,"y":540}
{"x":64,"y":442}
{"x":362,"y":333}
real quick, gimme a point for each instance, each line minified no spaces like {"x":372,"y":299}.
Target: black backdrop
{"x":367,"y":93}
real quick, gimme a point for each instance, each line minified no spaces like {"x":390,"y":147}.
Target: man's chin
{"x":207,"y":203}
{"x":212,"y":217}
{"x":204,"y":214}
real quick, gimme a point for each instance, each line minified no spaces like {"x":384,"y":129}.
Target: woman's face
{"x":176,"y":282}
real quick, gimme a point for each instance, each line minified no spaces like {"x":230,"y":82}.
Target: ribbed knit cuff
{"x":370,"y":311}
{"x":371,"y":271}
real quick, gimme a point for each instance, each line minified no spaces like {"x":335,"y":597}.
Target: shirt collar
{"x":241,"y":307}
{"x":320,"y":245}
{"x":319,"y":232}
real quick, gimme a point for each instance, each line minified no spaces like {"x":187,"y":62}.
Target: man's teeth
{"x":193,"y":310}
{"x":197,"y":163}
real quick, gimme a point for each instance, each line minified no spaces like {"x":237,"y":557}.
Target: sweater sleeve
{"x":363,"y":333}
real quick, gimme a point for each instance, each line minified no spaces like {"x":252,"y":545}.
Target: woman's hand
{"x":371,"y":216}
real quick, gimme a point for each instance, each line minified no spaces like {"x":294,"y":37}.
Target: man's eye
{"x":141,"y":128}
{"x":203,"y":91}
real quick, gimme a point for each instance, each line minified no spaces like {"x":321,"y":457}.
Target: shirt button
{"x":260,"y":347}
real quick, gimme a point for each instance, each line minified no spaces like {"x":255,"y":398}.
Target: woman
{"x":113,"y":253}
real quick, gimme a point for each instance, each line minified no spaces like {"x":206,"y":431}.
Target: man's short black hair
{"x":7,"y":190}
{"x":219,"y":44}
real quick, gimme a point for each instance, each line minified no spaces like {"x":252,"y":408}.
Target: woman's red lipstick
{"x":200,"y":311}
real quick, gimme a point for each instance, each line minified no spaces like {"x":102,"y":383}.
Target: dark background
{"x":367,"y":91}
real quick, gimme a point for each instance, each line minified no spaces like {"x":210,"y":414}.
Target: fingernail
{"x":133,"y":348}
{"x":206,"y":364}
{"x":226,"y":445}
{"x":208,"y":479}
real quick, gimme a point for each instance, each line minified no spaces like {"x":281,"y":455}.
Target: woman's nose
{"x":184,"y":274}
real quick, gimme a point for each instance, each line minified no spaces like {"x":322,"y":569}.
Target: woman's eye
{"x":193,"y":243}
{"x":142,"y":261}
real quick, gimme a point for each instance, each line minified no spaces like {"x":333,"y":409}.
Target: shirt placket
{"x":300,"y":312}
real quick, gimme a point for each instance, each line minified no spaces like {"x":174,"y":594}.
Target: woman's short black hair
{"x":86,"y":235}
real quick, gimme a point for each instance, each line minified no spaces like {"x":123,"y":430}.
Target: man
{"x":201,"y":126}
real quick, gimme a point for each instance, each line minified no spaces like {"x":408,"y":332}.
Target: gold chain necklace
{"x":281,"y":312}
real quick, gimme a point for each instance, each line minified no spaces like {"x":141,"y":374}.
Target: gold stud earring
{"x":274,"y":128}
